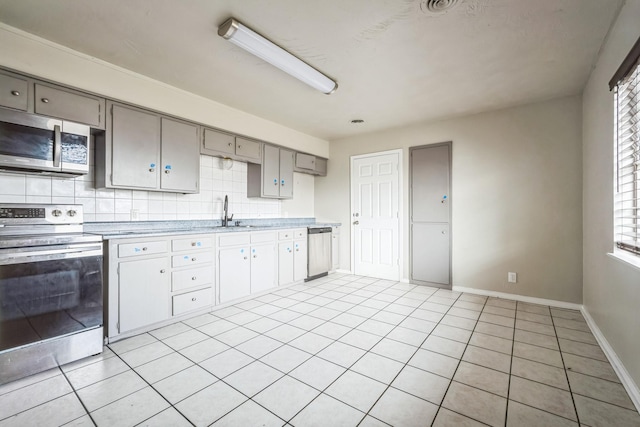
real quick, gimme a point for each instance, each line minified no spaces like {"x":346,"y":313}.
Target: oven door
{"x":31,"y":142}
{"x":48,"y":292}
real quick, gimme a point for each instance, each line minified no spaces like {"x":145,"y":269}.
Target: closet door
{"x":431,"y":214}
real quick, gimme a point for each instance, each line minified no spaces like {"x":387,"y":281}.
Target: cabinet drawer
{"x":191,"y":301}
{"x":286,"y":234}
{"x":263,"y":237}
{"x":233,"y":239}
{"x":247,"y":148}
{"x":13,"y":92}
{"x":192,"y":277}
{"x":300,"y":233}
{"x":191,"y":244}
{"x":144,"y":248}
{"x":218,"y":141}
{"x":194,"y":258}
{"x":66,"y":105}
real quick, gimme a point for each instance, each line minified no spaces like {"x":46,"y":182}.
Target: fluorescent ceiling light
{"x":254,"y":43}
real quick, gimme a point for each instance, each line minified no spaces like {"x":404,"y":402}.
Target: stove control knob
{"x":71,"y":213}
{"x":56,"y":212}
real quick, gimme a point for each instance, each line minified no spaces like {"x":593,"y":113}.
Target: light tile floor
{"x":340,"y":351}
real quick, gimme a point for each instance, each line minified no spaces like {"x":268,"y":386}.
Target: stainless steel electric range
{"x":50,"y":289}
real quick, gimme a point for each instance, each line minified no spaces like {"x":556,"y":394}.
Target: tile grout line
{"x":513,"y":344}
{"x":564,"y":368}
{"x":151,"y":386}
{"x":459,"y":363}
{"x":75,"y":392}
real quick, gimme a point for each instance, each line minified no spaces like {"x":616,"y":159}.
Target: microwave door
{"x":75,"y":148}
{"x":29,"y":141}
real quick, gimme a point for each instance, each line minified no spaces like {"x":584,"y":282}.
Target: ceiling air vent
{"x":437,"y":6}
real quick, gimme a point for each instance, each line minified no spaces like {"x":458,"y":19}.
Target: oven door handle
{"x":49,"y":255}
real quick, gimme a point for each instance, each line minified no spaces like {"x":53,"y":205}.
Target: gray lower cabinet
{"x":144,"y":150}
{"x":221,"y":144}
{"x":274,"y":177}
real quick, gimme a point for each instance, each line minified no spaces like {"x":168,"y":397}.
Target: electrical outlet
{"x":135,"y":215}
{"x":512,"y":277}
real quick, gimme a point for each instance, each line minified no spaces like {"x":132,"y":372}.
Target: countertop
{"x":140,"y":229}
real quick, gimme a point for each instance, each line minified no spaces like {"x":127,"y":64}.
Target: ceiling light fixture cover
{"x":254,"y":43}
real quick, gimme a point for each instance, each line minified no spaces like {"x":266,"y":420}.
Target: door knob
{"x":356,"y":222}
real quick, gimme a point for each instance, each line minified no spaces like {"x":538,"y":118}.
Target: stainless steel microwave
{"x":37,"y":144}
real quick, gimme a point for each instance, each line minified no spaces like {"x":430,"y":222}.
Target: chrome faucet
{"x":226,"y":218}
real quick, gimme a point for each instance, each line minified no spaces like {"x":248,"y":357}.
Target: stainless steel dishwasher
{"x":319,"y":252}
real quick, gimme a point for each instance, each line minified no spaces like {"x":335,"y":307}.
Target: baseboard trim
{"x":344,"y":271}
{"x":618,"y":366}
{"x":523,"y":298}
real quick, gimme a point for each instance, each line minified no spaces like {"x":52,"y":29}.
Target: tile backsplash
{"x":127,"y":205}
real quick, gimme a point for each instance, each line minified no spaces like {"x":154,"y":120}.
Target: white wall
{"x":611,"y":287}
{"x":516,"y":196}
{"x":30,"y":54}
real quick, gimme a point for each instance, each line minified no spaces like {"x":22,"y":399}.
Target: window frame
{"x":626,"y":83}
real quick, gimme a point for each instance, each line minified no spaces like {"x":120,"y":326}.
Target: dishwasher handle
{"x":319,"y":230}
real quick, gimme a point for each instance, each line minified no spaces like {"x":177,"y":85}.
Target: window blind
{"x":627,"y":197}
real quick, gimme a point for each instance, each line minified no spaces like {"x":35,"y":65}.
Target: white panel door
{"x":375,"y":220}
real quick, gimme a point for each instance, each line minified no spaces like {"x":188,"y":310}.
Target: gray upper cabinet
{"x":14,"y":92}
{"x":135,"y":148}
{"x":221,"y":144}
{"x":274,"y":178}
{"x":248,"y":149}
{"x":144,"y":150}
{"x":69,"y":105}
{"x":286,"y":174}
{"x":34,"y":96}
{"x":179,"y":155}
{"x":306,"y":163}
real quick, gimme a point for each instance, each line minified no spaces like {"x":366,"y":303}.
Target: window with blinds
{"x":627,"y":136}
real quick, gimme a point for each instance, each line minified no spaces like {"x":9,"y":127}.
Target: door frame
{"x":399,"y":152}
{"x":410,"y":216}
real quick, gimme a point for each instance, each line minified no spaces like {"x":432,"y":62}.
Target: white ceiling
{"x":395,"y":64}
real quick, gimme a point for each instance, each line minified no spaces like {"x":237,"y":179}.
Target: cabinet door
{"x":235,"y":273}
{"x":271,"y":172}
{"x":263,"y":267}
{"x":321,"y":167}
{"x":335,"y":248}
{"x":218,"y":142}
{"x":248,"y":149}
{"x":143,"y":292}
{"x":13,"y":92}
{"x":305,"y":161}
{"x":285,"y":263}
{"x":299,"y":260}
{"x":180,"y":156}
{"x":286,"y":174}
{"x":69,"y":106}
{"x":135,"y":139}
